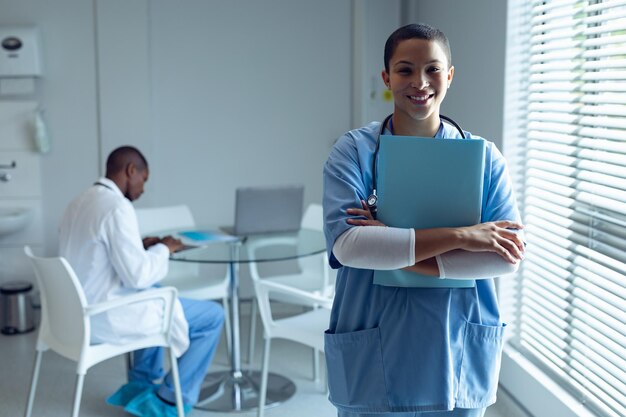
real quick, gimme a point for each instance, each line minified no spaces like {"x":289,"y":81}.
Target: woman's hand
{"x":498,"y":237}
{"x":365,"y":212}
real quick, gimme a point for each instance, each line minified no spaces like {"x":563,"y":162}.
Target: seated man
{"x":99,"y":236}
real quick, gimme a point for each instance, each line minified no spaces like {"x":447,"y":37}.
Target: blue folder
{"x":425,"y":183}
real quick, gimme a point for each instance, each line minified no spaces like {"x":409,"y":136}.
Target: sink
{"x":13,"y":219}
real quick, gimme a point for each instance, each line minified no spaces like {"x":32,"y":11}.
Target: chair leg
{"x":129,"y":364}
{"x":176,"y":379}
{"x":264,"y":372}
{"x":326,"y":381}
{"x":80,"y":378}
{"x":316,"y":365}
{"x":251,"y":340}
{"x":33,"y":383}
{"x":227,"y":326}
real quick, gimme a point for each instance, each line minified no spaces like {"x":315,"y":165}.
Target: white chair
{"x":185,"y":276}
{"x":315,"y":276}
{"x":66,"y":329}
{"x":306,"y":328}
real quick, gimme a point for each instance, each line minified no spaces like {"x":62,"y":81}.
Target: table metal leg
{"x":238,"y":390}
{"x":224,"y":392}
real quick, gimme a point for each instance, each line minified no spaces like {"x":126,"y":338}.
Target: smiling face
{"x":419,"y":76}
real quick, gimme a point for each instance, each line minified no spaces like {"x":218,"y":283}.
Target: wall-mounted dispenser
{"x":19,"y":52}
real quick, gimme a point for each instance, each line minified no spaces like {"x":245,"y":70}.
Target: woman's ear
{"x":385,"y":78}
{"x":450,"y":75}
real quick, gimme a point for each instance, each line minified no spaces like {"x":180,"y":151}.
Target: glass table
{"x":237,"y":389}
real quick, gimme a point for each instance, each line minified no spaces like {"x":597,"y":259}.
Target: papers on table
{"x":197,"y":238}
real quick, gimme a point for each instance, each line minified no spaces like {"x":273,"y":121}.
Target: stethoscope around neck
{"x":372,"y":200}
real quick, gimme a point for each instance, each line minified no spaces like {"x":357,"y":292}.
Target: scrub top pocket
{"x":356,"y":378}
{"x":480,"y":367}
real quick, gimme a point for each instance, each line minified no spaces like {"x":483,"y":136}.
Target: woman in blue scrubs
{"x":420,"y":352}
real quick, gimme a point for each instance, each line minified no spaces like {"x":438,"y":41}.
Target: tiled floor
{"x":56,"y":385}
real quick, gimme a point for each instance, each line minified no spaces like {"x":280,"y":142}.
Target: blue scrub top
{"x":392,"y":349}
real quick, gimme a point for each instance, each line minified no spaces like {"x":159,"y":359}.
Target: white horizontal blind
{"x":565,"y":140}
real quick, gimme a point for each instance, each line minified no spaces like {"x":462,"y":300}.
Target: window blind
{"x":565,"y":141}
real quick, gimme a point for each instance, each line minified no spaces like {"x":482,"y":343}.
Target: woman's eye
{"x":434,"y":69}
{"x":404,"y":71}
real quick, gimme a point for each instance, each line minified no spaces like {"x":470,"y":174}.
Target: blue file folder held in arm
{"x":425,"y":183}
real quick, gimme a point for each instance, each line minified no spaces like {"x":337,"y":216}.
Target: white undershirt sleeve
{"x":462,"y":264}
{"x":395,"y":247}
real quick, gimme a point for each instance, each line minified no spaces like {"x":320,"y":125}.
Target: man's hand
{"x":150,"y":241}
{"x":172,"y":243}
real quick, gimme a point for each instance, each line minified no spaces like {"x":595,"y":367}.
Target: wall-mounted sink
{"x":12,"y":219}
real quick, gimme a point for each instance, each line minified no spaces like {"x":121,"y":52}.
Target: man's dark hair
{"x":416,"y":31}
{"x":122,"y":156}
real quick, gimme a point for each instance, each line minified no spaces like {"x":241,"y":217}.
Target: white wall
{"x":224,"y":94}
{"x":374,"y":21}
{"x":250,"y":98}
{"x":231,"y":93}
{"x":216,"y":94}
{"x":67,"y":93}
{"x":476,"y":30}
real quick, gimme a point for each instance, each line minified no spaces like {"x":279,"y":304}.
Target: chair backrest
{"x":157,"y":219}
{"x":252,"y":246}
{"x":291,"y":326}
{"x":64,"y":326}
{"x":313,"y":217}
{"x":315,"y":274}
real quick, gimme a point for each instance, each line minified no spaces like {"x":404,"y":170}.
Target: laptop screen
{"x":271,"y":209}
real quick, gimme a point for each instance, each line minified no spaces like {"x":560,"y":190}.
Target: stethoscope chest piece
{"x":372,"y":203}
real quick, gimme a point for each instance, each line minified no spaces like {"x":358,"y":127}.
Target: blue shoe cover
{"x":127,"y":392}
{"x":148,"y":404}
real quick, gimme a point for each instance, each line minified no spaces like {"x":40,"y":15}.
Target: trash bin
{"x":16,"y":307}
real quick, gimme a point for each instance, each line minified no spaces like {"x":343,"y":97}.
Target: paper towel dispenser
{"x":19,"y":52}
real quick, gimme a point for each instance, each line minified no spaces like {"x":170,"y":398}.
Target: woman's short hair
{"x":416,"y":31}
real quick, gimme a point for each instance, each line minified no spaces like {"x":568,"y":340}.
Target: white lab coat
{"x":99,"y":236}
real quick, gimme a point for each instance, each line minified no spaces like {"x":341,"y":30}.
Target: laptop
{"x":272,"y":209}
